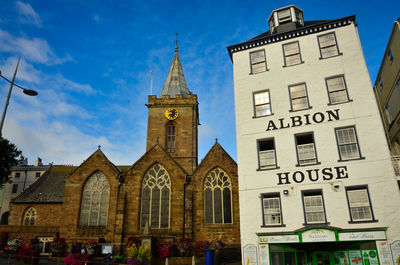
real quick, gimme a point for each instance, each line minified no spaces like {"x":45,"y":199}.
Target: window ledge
{"x":323,"y":58}
{"x":271,"y":226}
{"x":256,"y":117}
{"x":362,"y":222}
{"x":300,"y":109}
{"x":317,"y":224}
{"x":318,"y":163}
{"x":354,"y":159}
{"x":332,"y":104}
{"x":259,"y":72}
{"x":266,"y":169}
{"x":284,"y":66}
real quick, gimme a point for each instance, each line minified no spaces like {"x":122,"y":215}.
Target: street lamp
{"x":26,"y":91}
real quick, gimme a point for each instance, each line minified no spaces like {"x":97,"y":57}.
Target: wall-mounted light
{"x":286,"y":192}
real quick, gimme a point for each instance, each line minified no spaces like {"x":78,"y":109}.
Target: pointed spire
{"x":175,"y":84}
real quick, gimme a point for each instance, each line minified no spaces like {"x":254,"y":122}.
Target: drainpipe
{"x":26,"y":175}
{"x":187,"y":181}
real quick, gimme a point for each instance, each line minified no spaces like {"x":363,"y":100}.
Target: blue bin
{"x":209,"y":256}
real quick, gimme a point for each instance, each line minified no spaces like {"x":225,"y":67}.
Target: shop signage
{"x":250,"y":255}
{"x":370,"y":257}
{"x":355,"y":257}
{"x":264,"y":255}
{"x":395,"y":247}
{"x":313,"y":175}
{"x":384,"y":253}
{"x":318,"y":235}
{"x":305,"y":119}
{"x":279,"y":239}
{"x":353,"y":236}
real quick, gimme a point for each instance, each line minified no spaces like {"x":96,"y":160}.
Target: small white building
{"x":316,"y":183}
{"x":22,"y":176}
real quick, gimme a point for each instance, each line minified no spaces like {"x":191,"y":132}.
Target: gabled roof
{"x":175,"y":84}
{"x":49,"y":188}
{"x":216,"y":148}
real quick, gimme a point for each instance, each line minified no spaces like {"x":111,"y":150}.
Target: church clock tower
{"x":174,"y":117}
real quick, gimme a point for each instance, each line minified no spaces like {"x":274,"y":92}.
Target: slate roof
{"x":175,"y":84}
{"x":48,"y":188}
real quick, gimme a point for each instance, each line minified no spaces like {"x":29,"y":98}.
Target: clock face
{"x":171,"y":114}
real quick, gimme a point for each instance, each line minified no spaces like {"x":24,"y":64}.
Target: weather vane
{"x":176,"y":40}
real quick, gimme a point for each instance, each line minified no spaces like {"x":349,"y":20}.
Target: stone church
{"x":165,"y":188}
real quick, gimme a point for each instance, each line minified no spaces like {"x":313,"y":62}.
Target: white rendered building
{"x":316,"y":183}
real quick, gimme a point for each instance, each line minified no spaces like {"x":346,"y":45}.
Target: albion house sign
{"x":305,"y":119}
{"x":313,"y":175}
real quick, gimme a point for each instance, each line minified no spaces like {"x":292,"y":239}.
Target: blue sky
{"x":90,"y":61}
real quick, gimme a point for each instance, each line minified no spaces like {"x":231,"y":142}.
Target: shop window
{"x":359,"y":204}
{"x":314,"y":209}
{"x":217,"y":197}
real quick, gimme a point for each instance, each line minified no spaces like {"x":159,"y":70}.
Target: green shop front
{"x":318,"y":246}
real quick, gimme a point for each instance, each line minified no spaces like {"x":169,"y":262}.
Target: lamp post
{"x":28,"y":92}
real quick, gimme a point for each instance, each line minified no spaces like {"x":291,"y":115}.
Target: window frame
{"x":266,"y":196}
{"x":284,"y":56}
{"x":37,"y":174}
{"x":345,"y":89}
{"x":14,"y":188}
{"x":358,"y":144}
{"x":336,"y":44}
{"x":360,"y":187}
{"x":254,"y":103}
{"x":17,"y":175}
{"x":222,"y":200}
{"x":251,"y":63}
{"x":314,"y":192}
{"x":34,"y":216}
{"x":287,"y":20}
{"x":291,"y":99}
{"x":170,"y":137}
{"x":142,"y":222}
{"x":258,"y":154}
{"x":297,"y":152}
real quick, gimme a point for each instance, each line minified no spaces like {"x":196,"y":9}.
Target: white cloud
{"x":96,"y":18}
{"x":28,"y":15}
{"x":35,"y":50}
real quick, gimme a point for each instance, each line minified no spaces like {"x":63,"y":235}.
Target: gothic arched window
{"x":170,"y":137}
{"x":217,"y":198}
{"x":30,"y":216}
{"x":156,"y":189}
{"x":95,"y":198}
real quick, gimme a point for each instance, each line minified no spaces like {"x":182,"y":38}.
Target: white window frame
{"x":351,"y":143}
{"x":357,"y":207}
{"x":286,"y":18}
{"x":254,"y":62}
{"x":314,"y":210}
{"x":304,"y":156}
{"x":260,"y":101}
{"x":272,"y":213}
{"x":30,"y":214}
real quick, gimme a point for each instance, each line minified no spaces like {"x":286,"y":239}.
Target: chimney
{"x":38,"y":162}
